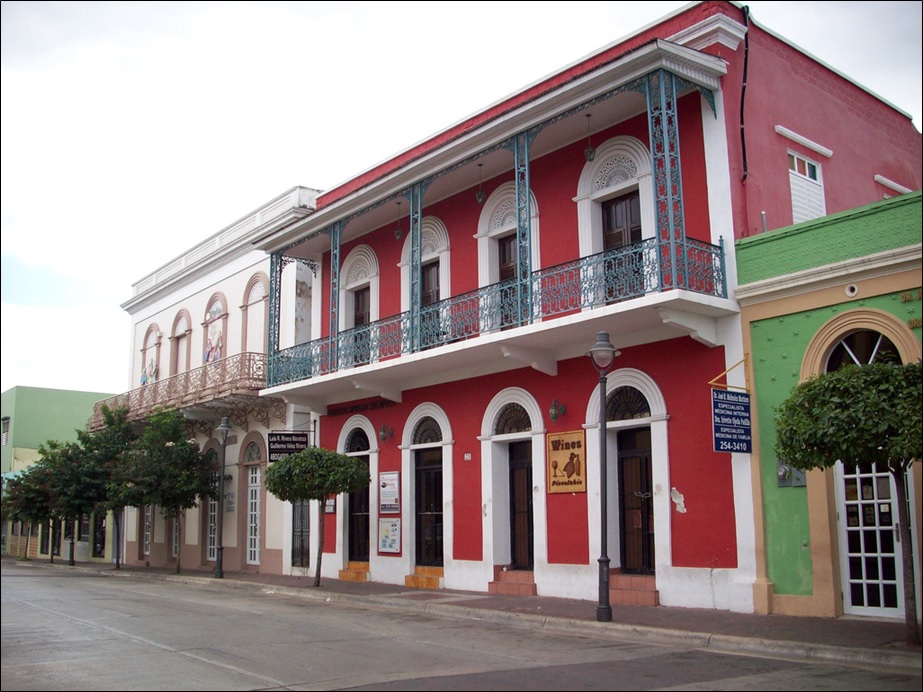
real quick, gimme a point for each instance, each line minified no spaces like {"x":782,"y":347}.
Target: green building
{"x":839,"y":289}
{"x":31,"y":417}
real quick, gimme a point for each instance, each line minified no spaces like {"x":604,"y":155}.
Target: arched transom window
{"x":627,"y":403}
{"x":427,"y":431}
{"x":357,"y":441}
{"x":513,"y":418}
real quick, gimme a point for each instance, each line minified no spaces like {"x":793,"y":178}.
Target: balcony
{"x":614,"y":277}
{"x":229,"y":387}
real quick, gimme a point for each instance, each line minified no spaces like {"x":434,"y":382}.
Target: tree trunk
{"x":28,"y":540}
{"x":70,"y":556}
{"x":900,"y":472}
{"x":179,"y":533}
{"x":321,"y":510}
{"x":51,"y":535}
{"x":118,"y":538}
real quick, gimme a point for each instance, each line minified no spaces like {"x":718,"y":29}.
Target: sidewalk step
{"x":510,"y":582}
{"x":425,"y":578}
{"x":633,"y":589}
{"x":355,"y":571}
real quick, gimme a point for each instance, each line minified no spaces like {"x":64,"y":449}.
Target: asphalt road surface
{"x":65,"y":630}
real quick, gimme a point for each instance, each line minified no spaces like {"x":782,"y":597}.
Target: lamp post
{"x":602,"y":354}
{"x":223,"y":431}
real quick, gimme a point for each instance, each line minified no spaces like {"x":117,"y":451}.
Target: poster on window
{"x":566,"y":461}
{"x":389,"y":535}
{"x":389,"y":497}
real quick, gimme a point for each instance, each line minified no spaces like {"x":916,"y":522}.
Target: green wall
{"x":778,"y":346}
{"x":885,"y":225}
{"x":38,"y":415}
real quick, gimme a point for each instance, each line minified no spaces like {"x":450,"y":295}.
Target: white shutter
{"x":807,"y":198}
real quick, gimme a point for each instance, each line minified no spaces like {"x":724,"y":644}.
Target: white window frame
{"x":254,"y":508}
{"x":147,"y":529}
{"x":211,"y":530}
{"x":808,"y":201}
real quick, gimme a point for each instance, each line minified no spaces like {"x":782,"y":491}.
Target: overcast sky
{"x":133,"y":130}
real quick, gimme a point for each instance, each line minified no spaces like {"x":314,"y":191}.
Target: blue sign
{"x":730,"y":414}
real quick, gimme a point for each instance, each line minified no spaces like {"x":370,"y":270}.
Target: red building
{"x":433,"y":315}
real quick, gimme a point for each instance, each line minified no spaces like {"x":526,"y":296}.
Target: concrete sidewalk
{"x":878,"y":643}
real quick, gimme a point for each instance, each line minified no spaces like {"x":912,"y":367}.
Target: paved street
{"x":71,"y":630}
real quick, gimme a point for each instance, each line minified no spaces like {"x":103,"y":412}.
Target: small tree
{"x":315,"y":474}
{"x":27,"y":499}
{"x":861,"y":415}
{"x":107,"y":446}
{"x":167,"y":469}
{"x":77,"y":480}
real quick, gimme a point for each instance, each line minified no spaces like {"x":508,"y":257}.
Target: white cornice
{"x":804,"y":141}
{"x":696,"y":67}
{"x":227,"y":245}
{"x":716,"y":29}
{"x":830,"y":275}
{"x":897,"y":187}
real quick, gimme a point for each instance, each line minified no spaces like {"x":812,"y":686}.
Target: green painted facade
{"x":31,"y":417}
{"x":885,"y":225}
{"x":778,"y":345}
{"x":37,"y":415}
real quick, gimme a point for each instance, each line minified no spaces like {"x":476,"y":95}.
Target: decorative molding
{"x":817,"y":278}
{"x":716,"y":29}
{"x":892,"y":185}
{"x":227,"y":387}
{"x":804,"y":141}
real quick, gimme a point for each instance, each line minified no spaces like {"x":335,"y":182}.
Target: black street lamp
{"x":223,"y":431}
{"x":602,"y":354}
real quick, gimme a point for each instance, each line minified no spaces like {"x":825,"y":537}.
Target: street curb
{"x":907,"y":662}
{"x":893,"y":660}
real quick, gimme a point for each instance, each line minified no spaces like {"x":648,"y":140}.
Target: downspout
{"x":743,"y":89}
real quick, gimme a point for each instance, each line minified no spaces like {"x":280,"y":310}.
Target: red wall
{"x":704,"y":536}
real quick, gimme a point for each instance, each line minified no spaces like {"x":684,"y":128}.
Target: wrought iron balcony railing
{"x":242,"y":374}
{"x":589,"y":282}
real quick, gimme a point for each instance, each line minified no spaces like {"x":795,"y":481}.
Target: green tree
{"x":166,"y":469}
{"x":861,"y":415}
{"x":27,"y":499}
{"x":107,"y":447}
{"x":77,"y":483}
{"x":315,"y":474}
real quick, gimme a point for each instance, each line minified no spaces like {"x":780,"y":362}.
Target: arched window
{"x":861,"y":348}
{"x":512,"y":418}
{"x":497,"y":231}
{"x":150,"y":355}
{"x":214,"y":330}
{"x":254,"y":324}
{"x":627,"y":403}
{"x":252,"y":458}
{"x":434,"y":258}
{"x":427,"y":431}
{"x":359,"y":303}
{"x":615,"y":197}
{"x":357,"y":441}
{"x":179,"y":341}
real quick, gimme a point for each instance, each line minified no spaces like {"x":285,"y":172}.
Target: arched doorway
{"x":513,"y":418}
{"x":635,"y":481}
{"x":357,"y":503}
{"x":428,"y":500}
{"x":871,"y":565}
